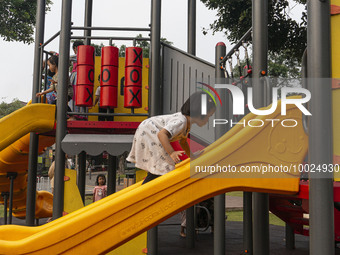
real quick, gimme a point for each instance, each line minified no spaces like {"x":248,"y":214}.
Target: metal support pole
{"x":63,"y":80}
{"x":155,"y":97}
{"x":34,"y":140}
{"x":248,"y":222}
{"x":152,"y":241}
{"x":220,"y":130}
{"x":82,"y":174}
{"x":11,"y":176}
{"x":5,"y":196}
{"x":190,"y":212}
{"x":155,"y":92}
{"x":260,"y":63}
{"x":88,"y":20}
{"x":192,"y":27}
{"x":321,"y":203}
{"x":190,"y":227}
{"x":290,"y":238}
{"x":111,"y":175}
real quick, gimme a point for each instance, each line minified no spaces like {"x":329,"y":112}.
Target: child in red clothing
{"x":100,"y":191}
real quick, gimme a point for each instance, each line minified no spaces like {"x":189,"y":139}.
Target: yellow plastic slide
{"x":112,"y":221}
{"x":14,"y":148}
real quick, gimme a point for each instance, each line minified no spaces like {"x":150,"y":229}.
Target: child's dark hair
{"x":77,"y":43}
{"x":100,"y":175}
{"x":54,"y":60}
{"x":192,"y":107}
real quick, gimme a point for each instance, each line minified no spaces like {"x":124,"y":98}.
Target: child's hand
{"x":52,"y":81}
{"x":38,"y":94}
{"x":175,"y":156}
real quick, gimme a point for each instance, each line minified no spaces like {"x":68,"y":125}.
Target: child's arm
{"x":164,"y":138}
{"x":185,"y":146}
{"x":45,"y":92}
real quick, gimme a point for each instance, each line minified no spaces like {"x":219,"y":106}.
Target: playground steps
{"x":294,"y":210}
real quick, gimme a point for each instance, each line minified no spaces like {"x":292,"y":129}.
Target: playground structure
{"x":25,"y":239}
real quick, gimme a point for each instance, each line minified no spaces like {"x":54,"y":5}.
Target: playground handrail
{"x":245,"y":37}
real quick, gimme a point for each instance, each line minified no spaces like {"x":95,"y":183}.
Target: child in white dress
{"x":151,"y":148}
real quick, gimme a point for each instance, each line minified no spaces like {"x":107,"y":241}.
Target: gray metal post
{"x":290,"y":238}
{"x":248,"y":222}
{"x":192,"y":27}
{"x":111,"y":175}
{"x":88,"y":20}
{"x":190,"y":212}
{"x":63,"y":80}
{"x":5,"y":197}
{"x":11,"y":176}
{"x":260,"y":62}
{"x":155,"y":92}
{"x":155,"y":96}
{"x":321,"y":203}
{"x":82,"y":174}
{"x":220,"y":130}
{"x":34,"y":138}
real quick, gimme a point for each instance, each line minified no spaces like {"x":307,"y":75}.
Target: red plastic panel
{"x":133,"y":57}
{"x":109,"y":76}
{"x":84,"y":95}
{"x":133,"y":97}
{"x":109,"y":96}
{"x":110,"y":56}
{"x":133,"y":76}
{"x":85,"y":75}
{"x":85,"y":55}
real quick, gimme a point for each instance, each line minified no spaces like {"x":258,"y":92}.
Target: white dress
{"x":147,"y":151}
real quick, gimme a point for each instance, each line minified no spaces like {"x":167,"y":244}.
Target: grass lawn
{"x":238,"y":216}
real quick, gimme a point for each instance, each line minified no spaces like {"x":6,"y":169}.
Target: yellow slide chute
{"x":14,"y":149}
{"x":112,"y":221}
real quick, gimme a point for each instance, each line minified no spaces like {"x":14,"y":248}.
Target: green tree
{"x":17,"y":19}
{"x":287,"y":36}
{"x":6,"y":109}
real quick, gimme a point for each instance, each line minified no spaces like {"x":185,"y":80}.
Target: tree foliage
{"x":17,"y":19}
{"x":286,"y":35}
{"x":6,"y":109}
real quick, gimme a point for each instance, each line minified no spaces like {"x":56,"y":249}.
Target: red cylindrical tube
{"x":133,"y":76}
{"x":109,"y":76}
{"x":85,"y":75}
{"x":84,"y":95}
{"x":110,"y":56}
{"x":133,"y":97}
{"x":85,"y":55}
{"x":109,"y":96}
{"x":133,"y":56}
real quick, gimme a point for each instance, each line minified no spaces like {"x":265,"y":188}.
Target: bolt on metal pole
{"x":63,"y":82}
{"x":321,"y":202}
{"x":220,"y":130}
{"x":260,"y":63}
{"x":34,"y":138}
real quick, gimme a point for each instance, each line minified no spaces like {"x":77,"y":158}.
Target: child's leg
{"x":183,"y":223}
{"x":150,"y":177}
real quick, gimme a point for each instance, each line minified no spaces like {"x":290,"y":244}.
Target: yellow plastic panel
{"x":335,"y":39}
